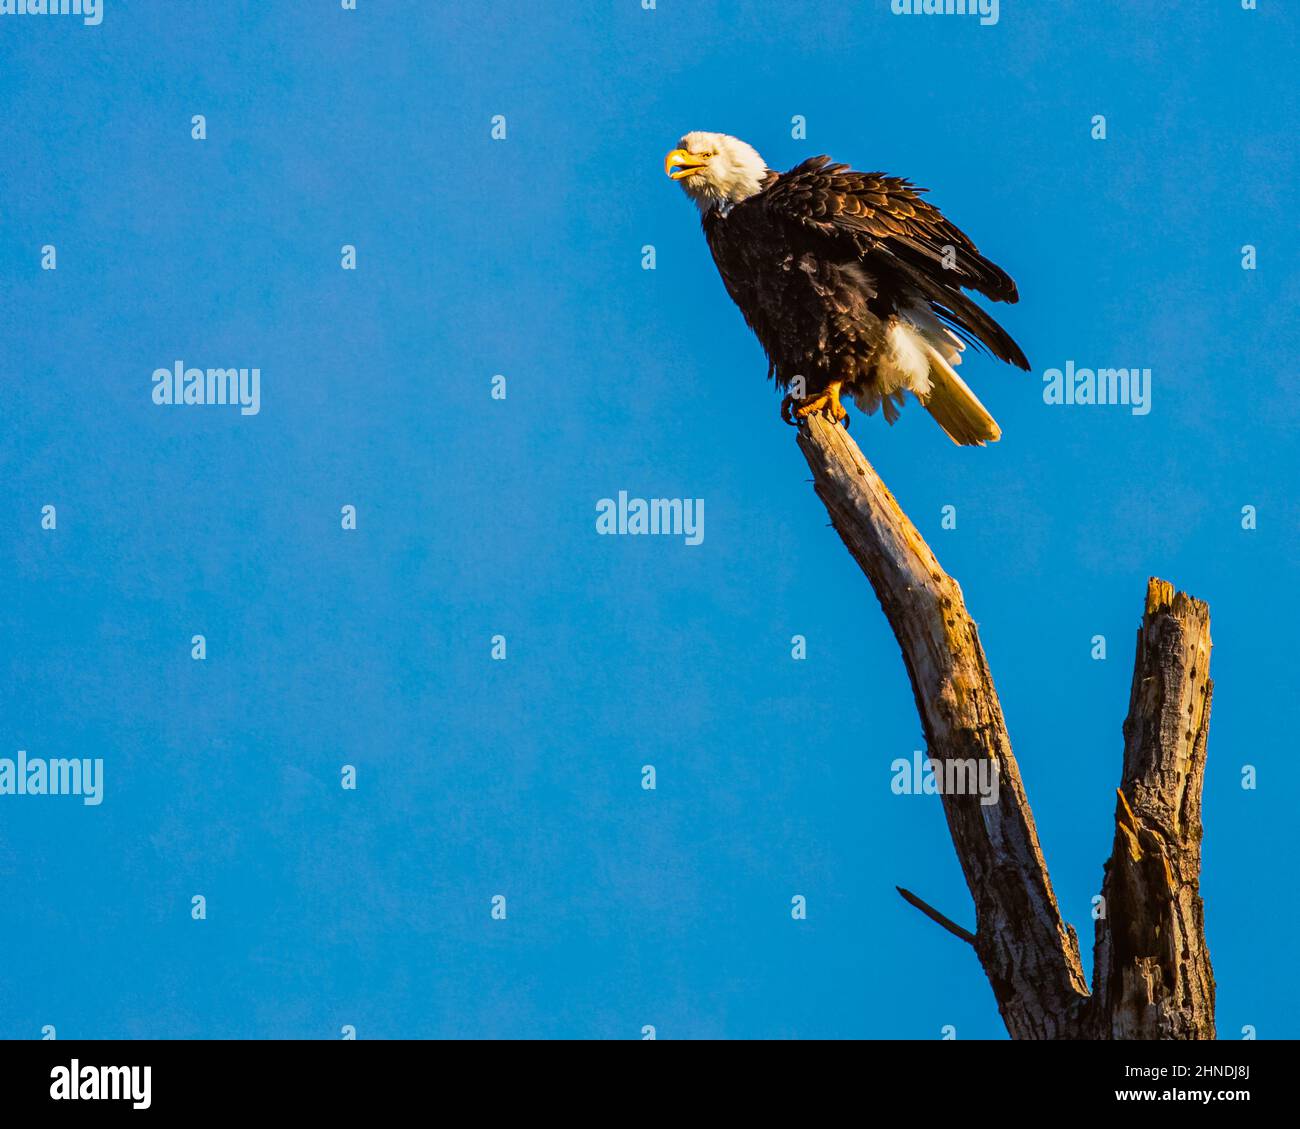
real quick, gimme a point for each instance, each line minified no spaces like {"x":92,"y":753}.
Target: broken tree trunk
{"x":1153,"y":968}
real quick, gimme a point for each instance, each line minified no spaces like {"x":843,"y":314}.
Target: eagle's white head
{"x":715,"y":169}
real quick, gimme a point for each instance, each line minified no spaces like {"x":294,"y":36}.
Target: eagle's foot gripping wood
{"x":828,"y":403}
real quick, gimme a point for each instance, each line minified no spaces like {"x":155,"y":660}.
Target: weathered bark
{"x":1030,"y":956}
{"x":1153,"y":978}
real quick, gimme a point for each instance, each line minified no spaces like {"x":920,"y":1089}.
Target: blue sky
{"x":523,"y":257}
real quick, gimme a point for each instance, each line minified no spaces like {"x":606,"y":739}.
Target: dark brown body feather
{"x":823,"y":257}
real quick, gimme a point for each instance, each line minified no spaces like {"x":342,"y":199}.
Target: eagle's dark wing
{"x":886,"y":213}
{"x":897,"y":235}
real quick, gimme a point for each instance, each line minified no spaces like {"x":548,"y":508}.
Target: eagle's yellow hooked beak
{"x":680,"y":163}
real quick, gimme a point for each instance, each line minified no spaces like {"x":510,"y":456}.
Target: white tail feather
{"x":955,"y":407}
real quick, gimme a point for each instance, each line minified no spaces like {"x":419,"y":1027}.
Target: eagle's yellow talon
{"x":828,"y":402}
{"x":810,"y":405}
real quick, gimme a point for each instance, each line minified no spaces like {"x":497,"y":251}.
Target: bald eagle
{"x":852,"y":283}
